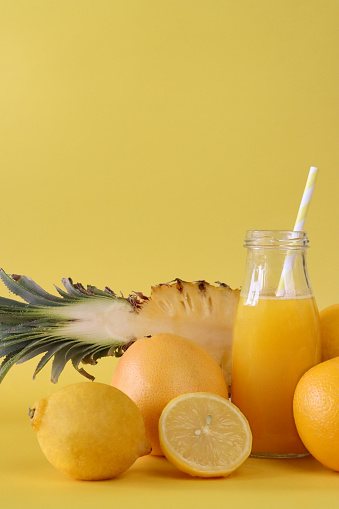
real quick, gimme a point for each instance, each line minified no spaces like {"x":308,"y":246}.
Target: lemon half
{"x":204,"y":435}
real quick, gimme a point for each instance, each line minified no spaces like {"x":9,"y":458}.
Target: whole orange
{"x":156,"y":369}
{"x":329,"y":329}
{"x":316,"y":412}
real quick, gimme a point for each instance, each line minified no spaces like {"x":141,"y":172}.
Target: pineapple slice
{"x":83,"y":325}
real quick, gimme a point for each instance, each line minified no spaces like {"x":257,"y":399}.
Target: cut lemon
{"x":204,"y":435}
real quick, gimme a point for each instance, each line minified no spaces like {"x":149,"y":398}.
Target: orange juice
{"x":275,"y":341}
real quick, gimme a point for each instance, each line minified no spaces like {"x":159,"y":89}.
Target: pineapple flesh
{"x":82,"y":325}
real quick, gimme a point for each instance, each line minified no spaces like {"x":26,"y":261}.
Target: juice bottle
{"x":276,"y":339}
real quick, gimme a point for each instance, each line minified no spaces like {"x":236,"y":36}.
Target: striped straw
{"x":298,"y":227}
{"x":305,"y":202}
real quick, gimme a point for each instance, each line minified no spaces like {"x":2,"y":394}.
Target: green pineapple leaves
{"x":29,"y":291}
{"x":39,"y":326}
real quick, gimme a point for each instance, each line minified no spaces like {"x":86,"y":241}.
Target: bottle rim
{"x":273,"y":239}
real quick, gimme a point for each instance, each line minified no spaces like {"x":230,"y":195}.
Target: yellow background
{"x":139,"y":140}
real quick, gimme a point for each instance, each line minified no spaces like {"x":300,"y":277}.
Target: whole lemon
{"x":329,"y":329}
{"x":89,"y":431}
{"x":316,"y":412}
{"x":156,"y":369}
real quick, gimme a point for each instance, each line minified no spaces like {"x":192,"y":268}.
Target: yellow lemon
{"x":316,"y":412}
{"x":89,"y":431}
{"x":204,"y":435}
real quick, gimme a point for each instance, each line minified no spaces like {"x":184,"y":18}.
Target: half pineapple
{"x":82,"y":325}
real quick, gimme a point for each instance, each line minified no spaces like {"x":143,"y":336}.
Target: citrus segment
{"x":204,"y":435}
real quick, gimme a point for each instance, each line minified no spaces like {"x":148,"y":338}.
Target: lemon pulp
{"x":204,"y":434}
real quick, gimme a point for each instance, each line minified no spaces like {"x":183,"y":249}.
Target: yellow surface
{"x":153,"y":482}
{"x":139,"y":140}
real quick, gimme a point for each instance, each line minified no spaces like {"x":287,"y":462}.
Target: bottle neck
{"x":276,"y":266}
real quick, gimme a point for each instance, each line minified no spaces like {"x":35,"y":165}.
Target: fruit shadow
{"x":158,"y":467}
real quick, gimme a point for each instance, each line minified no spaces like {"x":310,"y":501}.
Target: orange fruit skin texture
{"x":316,"y":412}
{"x":156,"y":369}
{"x":329,"y":329}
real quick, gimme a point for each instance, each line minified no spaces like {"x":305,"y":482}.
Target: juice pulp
{"x":274,"y":343}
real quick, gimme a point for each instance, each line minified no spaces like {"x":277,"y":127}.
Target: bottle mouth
{"x":273,"y":239}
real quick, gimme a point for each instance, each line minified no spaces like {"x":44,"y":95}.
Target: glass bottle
{"x":276,"y":339}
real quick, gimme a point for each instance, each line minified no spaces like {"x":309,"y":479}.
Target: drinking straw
{"x":298,"y":227}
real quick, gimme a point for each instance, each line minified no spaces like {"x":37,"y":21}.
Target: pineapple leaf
{"x":74,"y":290}
{"x":84,"y":373}
{"x":102,"y":293}
{"x":7,"y":330}
{"x":65,"y":295}
{"x":77,"y":352}
{"x":59,"y":362}
{"x":28,"y":284}
{"x":97,"y":353}
{"x":9,"y":319}
{"x":48,"y":356}
{"x":13,"y":358}
{"x":11,"y":316}
{"x":24,"y":293}
{"x":12,"y":347}
{"x":12,"y":303}
{"x":36,"y":351}
{"x":13,"y":340}
{"x":83,"y":351}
